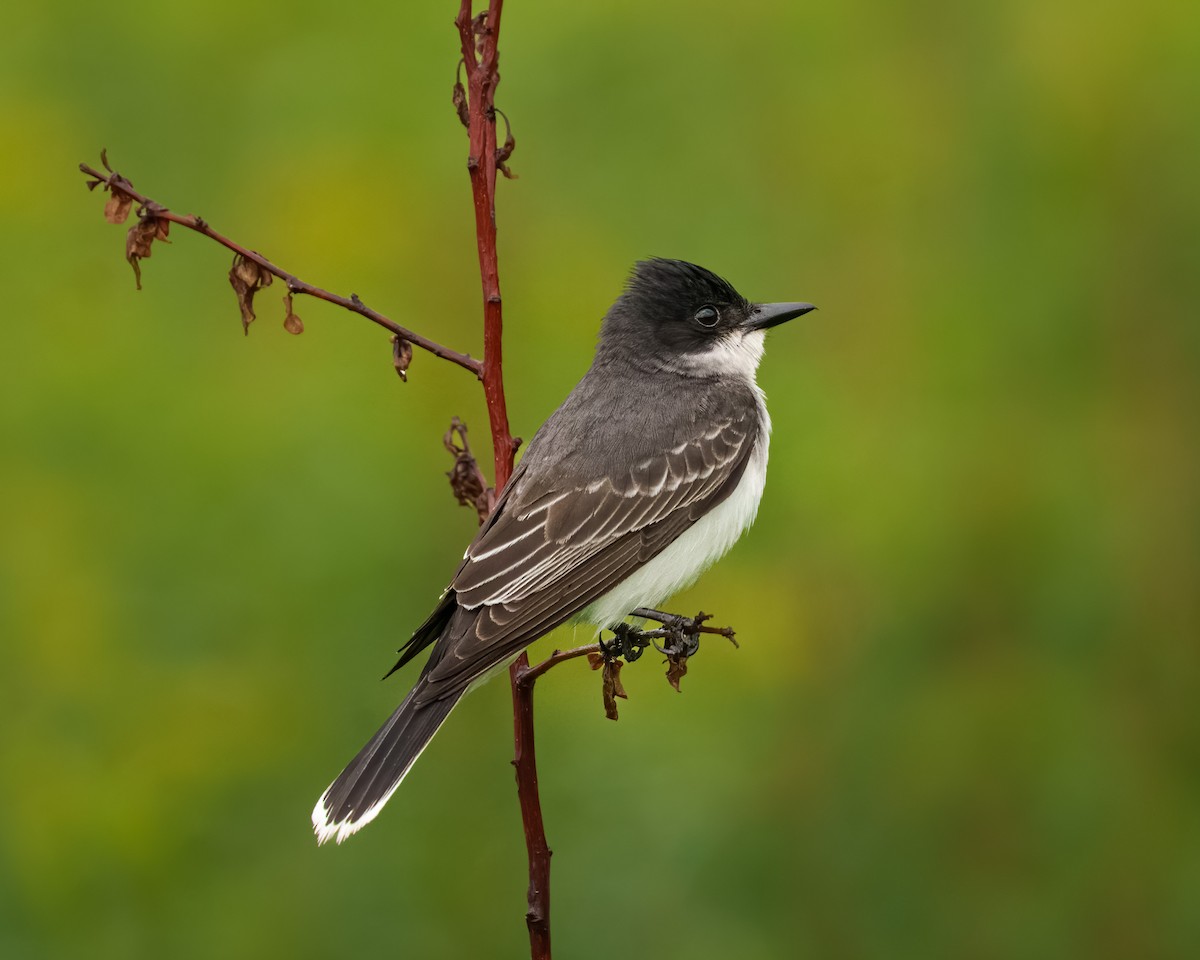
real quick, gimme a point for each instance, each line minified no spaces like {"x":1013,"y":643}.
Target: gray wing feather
{"x":528,"y":551}
{"x":498,"y":631}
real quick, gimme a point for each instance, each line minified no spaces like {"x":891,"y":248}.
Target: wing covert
{"x":540,"y":536}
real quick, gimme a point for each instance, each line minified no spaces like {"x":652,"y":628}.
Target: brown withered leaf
{"x":612,"y":687}
{"x":676,"y":669}
{"x":610,"y":683}
{"x":245,"y":297}
{"x":116,"y":210}
{"x":247,"y":271}
{"x":460,"y":103}
{"x":506,"y":151}
{"x":291,"y":323}
{"x":402,"y":354}
{"x":247,"y":278}
{"x":138,"y":240}
{"x":615,"y":672}
{"x":468,"y":483}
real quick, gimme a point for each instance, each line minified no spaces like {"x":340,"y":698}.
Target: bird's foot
{"x":677,"y":638}
{"x":628,"y":641}
{"x":681,"y":634}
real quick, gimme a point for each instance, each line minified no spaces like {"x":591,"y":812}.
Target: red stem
{"x":480,"y":58}
{"x":537,"y":914}
{"x":482,"y":78}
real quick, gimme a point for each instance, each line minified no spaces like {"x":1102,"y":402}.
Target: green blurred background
{"x":963,"y":721}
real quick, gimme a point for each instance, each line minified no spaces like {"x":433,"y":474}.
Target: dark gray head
{"x":678,"y":316}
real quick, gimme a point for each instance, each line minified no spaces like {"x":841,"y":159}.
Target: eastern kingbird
{"x":649,"y":471}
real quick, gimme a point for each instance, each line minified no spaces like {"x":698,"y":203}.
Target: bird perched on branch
{"x":649,"y":471}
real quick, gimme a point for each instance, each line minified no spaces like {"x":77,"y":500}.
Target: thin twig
{"x":530,"y":674}
{"x":295,"y":285}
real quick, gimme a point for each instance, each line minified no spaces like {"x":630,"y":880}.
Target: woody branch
{"x":153,"y":218}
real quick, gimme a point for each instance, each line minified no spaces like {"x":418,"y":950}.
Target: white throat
{"x":736,"y":355}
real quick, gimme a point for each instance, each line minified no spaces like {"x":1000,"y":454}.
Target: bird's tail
{"x":358,"y":794}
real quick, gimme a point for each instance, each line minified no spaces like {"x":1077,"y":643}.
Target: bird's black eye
{"x":707,"y":316}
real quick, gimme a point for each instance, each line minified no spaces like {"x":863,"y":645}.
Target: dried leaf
{"x":118,"y":206}
{"x":460,"y":103}
{"x":291,"y":323}
{"x":247,"y":278}
{"x":676,"y":669}
{"x":244,"y":297}
{"x":615,"y":674}
{"x":402,"y":354}
{"x":104,"y":159}
{"x":247,"y":270}
{"x":139,"y":238}
{"x":137,"y":243}
{"x":506,"y":151}
{"x":612,"y":687}
{"x":469,"y":486}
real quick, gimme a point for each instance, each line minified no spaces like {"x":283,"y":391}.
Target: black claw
{"x":679,"y":636}
{"x":628,"y":642}
{"x":632,"y":642}
{"x":682,"y":639}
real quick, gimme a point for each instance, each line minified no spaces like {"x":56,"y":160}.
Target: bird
{"x":649,"y":471}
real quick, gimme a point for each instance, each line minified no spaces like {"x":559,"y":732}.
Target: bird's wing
{"x":548,"y":553}
{"x":536,"y":542}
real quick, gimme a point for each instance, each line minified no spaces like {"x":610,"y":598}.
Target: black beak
{"x":764,"y":315}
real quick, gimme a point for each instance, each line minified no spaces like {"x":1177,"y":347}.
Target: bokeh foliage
{"x":963,"y":721}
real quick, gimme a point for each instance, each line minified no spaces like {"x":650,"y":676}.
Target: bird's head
{"x":682,"y":317}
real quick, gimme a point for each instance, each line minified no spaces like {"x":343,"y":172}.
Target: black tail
{"x":360,"y":791}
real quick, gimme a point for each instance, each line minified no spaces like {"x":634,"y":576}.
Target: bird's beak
{"x":764,"y":315}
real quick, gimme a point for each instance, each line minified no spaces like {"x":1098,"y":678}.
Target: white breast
{"x":696,"y":548}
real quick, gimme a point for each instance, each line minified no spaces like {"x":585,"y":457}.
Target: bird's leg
{"x":680,"y":638}
{"x":628,"y":642}
{"x":681,"y":632}
{"x":680,"y":635}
